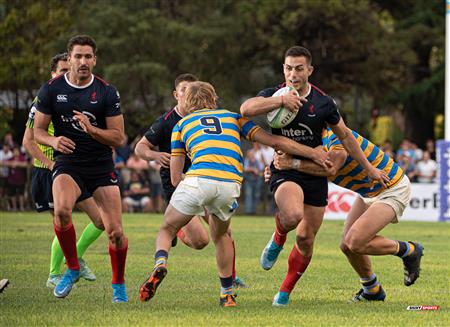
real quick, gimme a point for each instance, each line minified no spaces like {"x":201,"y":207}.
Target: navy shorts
{"x":315,"y":189}
{"x":88,"y":177}
{"x":41,"y":189}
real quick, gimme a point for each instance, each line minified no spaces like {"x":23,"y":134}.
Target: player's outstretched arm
{"x":33,"y":150}
{"x":176,"y":169}
{"x":350,"y":144}
{"x":147,"y":151}
{"x":286,"y":162}
{"x":281,"y":143}
{"x":113,"y":135}
{"x":60,"y":143}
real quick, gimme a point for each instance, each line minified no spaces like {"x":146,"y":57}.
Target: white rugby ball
{"x":281,"y":117}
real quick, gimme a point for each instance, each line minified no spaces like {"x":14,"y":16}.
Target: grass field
{"x":189,"y":294}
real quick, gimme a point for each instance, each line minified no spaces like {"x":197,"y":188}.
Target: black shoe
{"x":411,"y":264}
{"x":148,"y":288}
{"x":3,"y":284}
{"x":174,"y":241}
{"x":364,"y":297}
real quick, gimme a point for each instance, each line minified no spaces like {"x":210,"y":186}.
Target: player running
{"x":85,"y":111}
{"x":41,"y":190}
{"x":155,"y":145}
{"x":211,"y":138}
{"x":372,"y":210}
{"x":301,"y":197}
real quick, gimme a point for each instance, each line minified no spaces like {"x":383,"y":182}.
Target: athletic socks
{"x":226,"y":284}
{"x":404,"y":249}
{"x":297,"y":264}
{"x":370,"y":285}
{"x":280,"y":232}
{"x":89,"y":236}
{"x":56,"y":257}
{"x":67,"y":240}
{"x":118,"y":259}
{"x":161,"y":257}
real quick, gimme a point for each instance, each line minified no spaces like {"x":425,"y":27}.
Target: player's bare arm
{"x":113,"y":135}
{"x":60,"y":143}
{"x":176,"y":169}
{"x":261,"y":105}
{"x":280,"y":143}
{"x":352,"y":147}
{"x":285,"y":162}
{"x":33,"y":150}
{"x":147,"y":151}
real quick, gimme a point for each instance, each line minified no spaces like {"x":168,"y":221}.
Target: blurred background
{"x":381,"y":60}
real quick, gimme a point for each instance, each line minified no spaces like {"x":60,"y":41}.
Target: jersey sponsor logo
{"x":94,"y":97}
{"x":302,"y":133}
{"x":75,"y":124}
{"x":113,"y":178}
{"x":61,"y":98}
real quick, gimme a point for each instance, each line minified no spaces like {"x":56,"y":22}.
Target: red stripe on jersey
{"x":54,"y":79}
{"x":101,"y":80}
{"x":318,"y":90}
{"x":168,"y":114}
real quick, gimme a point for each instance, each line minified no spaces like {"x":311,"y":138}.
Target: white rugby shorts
{"x":194,"y":194}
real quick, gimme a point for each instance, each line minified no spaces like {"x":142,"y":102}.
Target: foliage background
{"x":368,"y":54}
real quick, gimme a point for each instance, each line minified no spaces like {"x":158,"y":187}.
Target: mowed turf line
{"x":189,"y":294}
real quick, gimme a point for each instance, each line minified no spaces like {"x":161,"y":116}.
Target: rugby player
{"x":372,"y":210}
{"x":301,"y":197}
{"x":211,"y":138}
{"x":155,"y":145}
{"x":85,"y":112}
{"x":41,"y":190}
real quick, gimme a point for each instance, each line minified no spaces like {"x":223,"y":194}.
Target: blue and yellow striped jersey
{"x":212,"y":140}
{"x":352,"y":176}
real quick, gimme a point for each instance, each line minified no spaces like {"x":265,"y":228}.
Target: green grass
{"x":189,"y":294}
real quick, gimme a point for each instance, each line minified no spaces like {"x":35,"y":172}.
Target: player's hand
{"x":63,"y":144}
{"x":321,"y":158}
{"x":83,"y":120}
{"x":163,"y":159}
{"x":376,"y":175}
{"x":292,"y":101}
{"x":267,"y":174}
{"x":282,"y":161}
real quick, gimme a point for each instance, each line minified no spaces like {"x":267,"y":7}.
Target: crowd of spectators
{"x":140,"y":182}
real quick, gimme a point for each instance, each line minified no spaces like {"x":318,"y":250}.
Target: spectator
{"x":5,"y":155}
{"x":136,"y":195}
{"x":267,"y":153}
{"x":406,"y":149}
{"x":136,"y":163}
{"x":388,"y":148}
{"x":119,"y":164}
{"x":9,"y":140}
{"x":418,"y":152}
{"x":253,"y":168}
{"x":429,"y":146}
{"x":125,"y":150}
{"x":406,"y":163}
{"x":426,"y":169}
{"x":17,"y":178}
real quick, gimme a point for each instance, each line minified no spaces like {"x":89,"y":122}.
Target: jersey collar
{"x":76,"y":86}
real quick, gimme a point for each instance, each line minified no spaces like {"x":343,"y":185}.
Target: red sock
{"x":181,"y":235}
{"x":297,"y":265}
{"x":280,"y":232}
{"x":67,"y":241}
{"x":118,"y":258}
{"x":233,"y":272}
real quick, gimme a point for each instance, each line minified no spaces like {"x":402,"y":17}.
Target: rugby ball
{"x":281,"y":117}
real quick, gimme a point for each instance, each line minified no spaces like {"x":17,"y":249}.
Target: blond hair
{"x":200,"y":95}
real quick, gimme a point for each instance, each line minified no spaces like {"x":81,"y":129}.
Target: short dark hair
{"x":185,"y":78}
{"x":298,"y":51}
{"x":81,"y":40}
{"x":56,"y":59}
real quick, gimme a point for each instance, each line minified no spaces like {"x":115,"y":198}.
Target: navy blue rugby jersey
{"x":159,"y":134}
{"x":308,"y":125}
{"x":97,"y":100}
